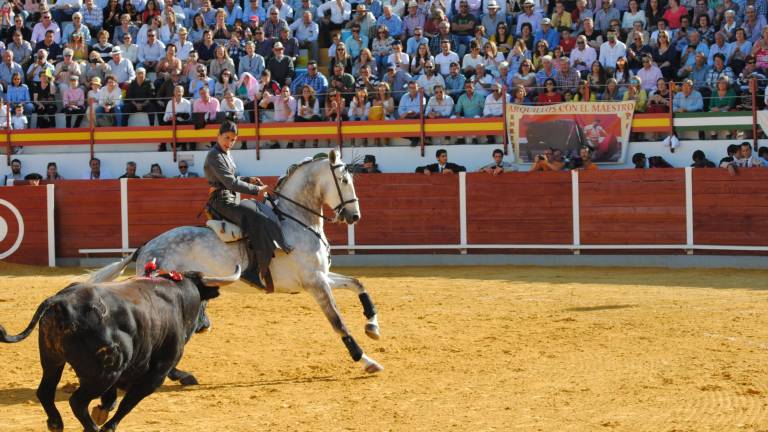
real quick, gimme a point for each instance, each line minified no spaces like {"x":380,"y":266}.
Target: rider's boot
{"x":251,"y":275}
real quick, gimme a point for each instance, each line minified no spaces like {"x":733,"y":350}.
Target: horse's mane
{"x":292,"y":169}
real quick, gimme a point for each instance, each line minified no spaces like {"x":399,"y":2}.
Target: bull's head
{"x":208,"y":286}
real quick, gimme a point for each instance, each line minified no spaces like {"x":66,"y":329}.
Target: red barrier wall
{"x":407,"y":209}
{"x":519,"y":208}
{"x":730,"y":210}
{"x":87,"y":216}
{"x":31,"y":204}
{"x":632,"y":206}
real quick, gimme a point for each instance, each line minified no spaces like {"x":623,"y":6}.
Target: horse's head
{"x":339,"y":191}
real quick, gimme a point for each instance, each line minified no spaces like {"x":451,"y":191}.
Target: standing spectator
{"x":745,"y":158}
{"x":15,"y":173}
{"x":167,"y":65}
{"x":494,"y":105}
{"x":499,"y":165}
{"x":140,"y":97}
{"x":306,"y":32}
{"x":281,"y":66}
{"x":73,"y":100}
{"x":442,"y":166}
{"x":110,"y":101}
{"x":585,"y":159}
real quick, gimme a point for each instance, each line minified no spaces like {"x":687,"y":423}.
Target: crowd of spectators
{"x":199,"y":61}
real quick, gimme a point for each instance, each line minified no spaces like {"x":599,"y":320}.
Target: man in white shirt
{"x":95,"y":172}
{"x":339,"y":11}
{"x":611,"y":50}
{"x":445,"y":58}
{"x":583,"y":56}
{"x":430,"y":81}
{"x":152,"y":52}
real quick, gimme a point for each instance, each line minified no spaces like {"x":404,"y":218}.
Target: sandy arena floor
{"x":464,"y":349}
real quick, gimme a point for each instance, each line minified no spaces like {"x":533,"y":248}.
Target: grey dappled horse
{"x":302,"y":194}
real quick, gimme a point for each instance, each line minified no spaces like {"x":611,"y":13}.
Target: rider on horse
{"x":264,"y":235}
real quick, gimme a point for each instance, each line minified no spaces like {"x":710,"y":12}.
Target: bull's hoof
{"x":99,"y":415}
{"x":55,"y":426}
{"x":372,"y":330}
{"x":189,"y":380}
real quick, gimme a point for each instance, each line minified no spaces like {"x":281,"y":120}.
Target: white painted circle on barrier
{"x":4,"y":229}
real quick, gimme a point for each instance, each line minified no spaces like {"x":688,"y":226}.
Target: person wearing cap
{"x":263,"y":234}
{"x":140,"y":97}
{"x":414,"y":19}
{"x":66,"y":68}
{"x":280,"y":65}
{"x":528,"y":16}
{"x":73,"y":103}
{"x":76,"y":26}
{"x":492,"y":18}
{"x":40,"y":65}
{"x":183,"y":45}
{"x":397,"y":79}
{"x":306,"y":31}
{"x":392,"y":21}
{"x":463,"y":26}
{"x":49,"y":45}
{"x":121,"y":68}
{"x":368,"y":166}
{"x":547,"y":33}
{"x":365,"y":19}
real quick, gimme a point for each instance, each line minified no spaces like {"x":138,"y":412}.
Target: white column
{"x":463,"y":211}
{"x":576,"y":211}
{"x":350,"y":239}
{"x":51,"y":219}
{"x":124,"y":214}
{"x":689,"y":210}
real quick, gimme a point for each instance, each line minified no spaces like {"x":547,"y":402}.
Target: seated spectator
{"x":121,"y":68}
{"x":368,"y":166}
{"x":33,"y":179}
{"x":658,"y":162}
{"x":335,"y":106}
{"x":206,"y":48}
{"x":225,"y":83}
{"x":549,"y":96}
{"x":520,"y":96}
{"x":152,"y":52}
{"x":183,"y":46}
{"x":688,"y":100}
{"x":76,"y":26}
{"x":281,"y":66}
{"x":18,"y":93}
{"x":365,"y":59}
{"x":494,"y":105}
{"x":306,"y":32}
{"x":760,"y":51}
{"x":612,"y":50}
{"x":637,"y":93}
{"x":700,"y":160}
{"x":40,"y":65}
{"x":308,"y":105}
{"x":499,"y":165}
{"x":21,"y":49}
{"x":550,"y":160}
{"x":52,"y":172}
{"x":442,"y":166}
{"x":584,"y":93}
{"x":284,"y":107}
{"x":525,"y":76}
{"x":397,"y":57}
{"x":205,"y":109}
{"x":567,"y":79}
{"x":745,"y":158}
{"x":140,"y":97}
{"x":366,"y":80}
{"x":583,"y":56}
{"x":658,"y":99}
{"x":95,"y":172}
{"x":649,"y":74}
{"x":359,"y":107}
{"x":110,"y":103}
{"x":14,"y":175}
{"x":47,"y":24}
{"x":96,"y":68}
{"x":179,"y":110}
{"x":184,"y":171}
{"x":155,"y":171}
{"x":130,"y":171}
{"x":440,"y":105}
{"x":665,"y":55}
{"x":73,"y":101}
{"x":638,"y":49}
{"x":430,"y":79}
{"x":719,"y":70}
{"x":419,"y":58}
{"x":355,"y":43}
{"x":411,"y":105}
{"x":723,"y":97}
{"x":762,"y":153}
{"x":8,"y":33}
{"x":19,"y":121}
{"x":221,"y":62}
{"x":383,"y":99}
{"x":78,"y":47}
{"x":44,"y":99}
{"x":251,"y":62}
{"x":202,"y":80}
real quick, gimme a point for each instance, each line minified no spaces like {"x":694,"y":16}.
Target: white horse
{"x":301,"y":196}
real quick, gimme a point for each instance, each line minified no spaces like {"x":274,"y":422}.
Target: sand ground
{"x":465,"y":349}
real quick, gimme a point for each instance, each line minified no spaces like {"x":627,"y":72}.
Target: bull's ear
{"x":208,"y":292}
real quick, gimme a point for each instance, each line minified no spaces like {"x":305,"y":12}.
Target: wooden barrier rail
{"x":678,"y":210}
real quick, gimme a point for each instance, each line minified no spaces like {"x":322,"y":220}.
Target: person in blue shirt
{"x":411,"y":106}
{"x":688,"y":100}
{"x":18,"y":93}
{"x":234,"y":13}
{"x":393,"y":22}
{"x":314,"y":79}
{"x":547,"y":33}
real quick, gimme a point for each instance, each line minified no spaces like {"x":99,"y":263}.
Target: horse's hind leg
{"x":322,"y":294}
{"x":46,"y":392}
{"x":369,"y":310}
{"x":184,"y":378}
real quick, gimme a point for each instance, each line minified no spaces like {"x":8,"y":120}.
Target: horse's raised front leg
{"x":340,"y":281}
{"x":321,"y":291}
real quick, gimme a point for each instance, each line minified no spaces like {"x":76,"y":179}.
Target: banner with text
{"x":567,"y":126}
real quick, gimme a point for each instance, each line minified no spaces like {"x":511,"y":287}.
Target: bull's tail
{"x":112,"y":271}
{"x":4,"y":337}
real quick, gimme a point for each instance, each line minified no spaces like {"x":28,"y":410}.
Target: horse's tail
{"x":4,"y":337}
{"x":112,"y":271}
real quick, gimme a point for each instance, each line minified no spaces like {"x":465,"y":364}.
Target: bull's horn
{"x":219,"y":281}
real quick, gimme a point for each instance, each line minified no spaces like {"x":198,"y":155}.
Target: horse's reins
{"x":338,"y":209}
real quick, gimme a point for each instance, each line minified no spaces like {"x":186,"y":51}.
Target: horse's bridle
{"x":339,"y":209}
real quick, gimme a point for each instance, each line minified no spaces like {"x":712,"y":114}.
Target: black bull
{"x":127,"y":335}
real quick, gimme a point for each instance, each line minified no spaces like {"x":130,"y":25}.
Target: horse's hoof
{"x":372,"y":330}
{"x":189,"y":380}
{"x":55,"y":426}
{"x":370,"y":365}
{"x":99,"y":415}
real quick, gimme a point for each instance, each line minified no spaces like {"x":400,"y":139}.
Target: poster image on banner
{"x":604,"y":126}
